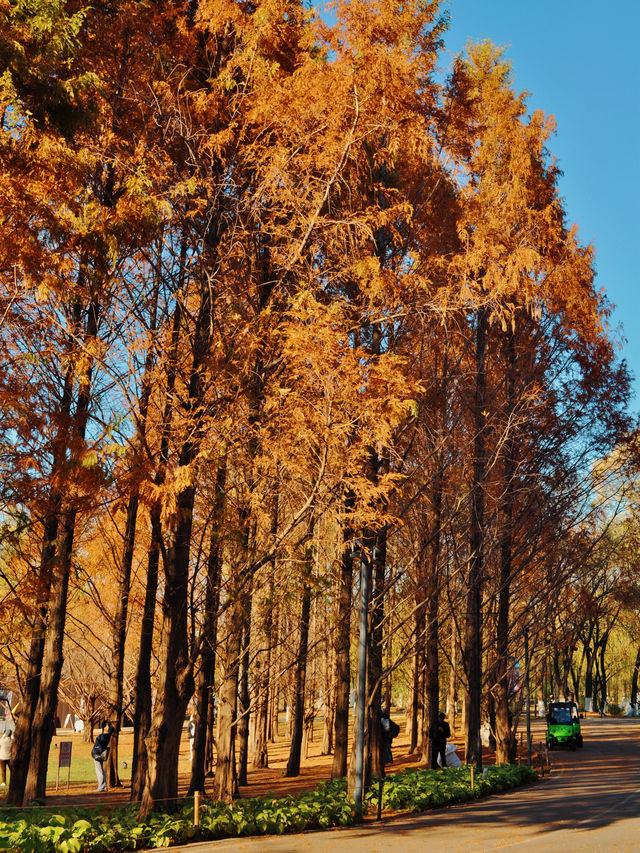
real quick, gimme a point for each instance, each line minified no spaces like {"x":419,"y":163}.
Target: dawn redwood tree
{"x":516,"y":257}
{"x":76,"y":252}
{"x":259,"y":270}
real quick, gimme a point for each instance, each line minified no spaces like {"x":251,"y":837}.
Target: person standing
{"x":191,"y":734}
{"x":441,"y":732}
{"x":5,"y":756}
{"x":390,"y":730}
{"x":100,"y":753}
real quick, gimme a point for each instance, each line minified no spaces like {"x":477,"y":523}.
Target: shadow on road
{"x":587,"y":789}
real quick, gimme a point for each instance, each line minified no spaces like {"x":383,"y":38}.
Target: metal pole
{"x":365,"y":576}
{"x":525,"y":631}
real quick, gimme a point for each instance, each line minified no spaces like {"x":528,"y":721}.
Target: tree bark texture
{"x":21,"y":748}
{"x":206,"y":673}
{"x":142,"y":705}
{"x":433,"y":628}
{"x":342,"y":650}
{"x":223,"y":782}
{"x":175,"y":684}
{"x":124,"y":581}
{"x":473,"y":626}
{"x":43,"y":726}
{"x":243,"y":697}
{"x":379,"y":559}
{"x":505,"y":735}
{"x":293,"y":762}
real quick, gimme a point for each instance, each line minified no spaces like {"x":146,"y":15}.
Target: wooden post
{"x":196,"y":808}
{"x":473,"y":781}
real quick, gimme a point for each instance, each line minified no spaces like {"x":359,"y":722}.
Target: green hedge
{"x":417,"y":790}
{"x":38,"y":830}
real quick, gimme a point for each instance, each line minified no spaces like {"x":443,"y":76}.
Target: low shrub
{"x":38,"y":830}
{"x":417,"y":790}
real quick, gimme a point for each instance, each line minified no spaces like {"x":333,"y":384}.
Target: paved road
{"x":589,"y":802}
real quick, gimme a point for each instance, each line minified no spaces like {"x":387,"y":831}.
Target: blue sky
{"x":580,"y":62}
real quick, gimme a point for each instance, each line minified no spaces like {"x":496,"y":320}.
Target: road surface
{"x":589,"y":802}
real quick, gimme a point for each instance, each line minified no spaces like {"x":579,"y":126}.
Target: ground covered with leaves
{"x":84,"y":830}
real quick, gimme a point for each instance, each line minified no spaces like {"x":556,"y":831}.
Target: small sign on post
{"x":64,"y":760}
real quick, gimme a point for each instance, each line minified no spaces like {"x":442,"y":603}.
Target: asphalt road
{"x":589,"y":802}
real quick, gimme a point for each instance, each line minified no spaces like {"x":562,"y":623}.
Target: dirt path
{"x":316,"y":768}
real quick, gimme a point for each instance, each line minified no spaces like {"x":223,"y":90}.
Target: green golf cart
{"x":563,"y":725}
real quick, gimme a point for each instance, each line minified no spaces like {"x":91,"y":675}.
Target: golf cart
{"x":563,"y":725}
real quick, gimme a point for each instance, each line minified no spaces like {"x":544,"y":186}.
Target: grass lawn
{"x":82,"y":769}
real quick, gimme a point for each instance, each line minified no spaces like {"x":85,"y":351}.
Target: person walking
{"x":441,"y":732}
{"x":5,"y":756}
{"x":100,"y":753}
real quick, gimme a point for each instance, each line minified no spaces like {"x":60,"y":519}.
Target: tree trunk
{"x":418,"y":669}
{"x":505,"y":740}
{"x":376,"y":745}
{"x":451,"y":699}
{"x":114,"y":713}
{"x":293,"y":763}
{"x":223,"y":782}
{"x":175,"y":684}
{"x":388,"y":684}
{"x":124,"y":582}
{"x":342,"y":646}
{"x":206,"y":673}
{"x":274,"y":681}
{"x":633,"y":698}
{"x":175,"y":674}
{"x":43,"y":726}
{"x":243,"y":697}
{"x":21,"y":747}
{"x":142,"y":708}
{"x":433,"y":628}
{"x":603,"y":670}
{"x":473,"y":627}
{"x":329,"y":699}
{"x":264,"y":661}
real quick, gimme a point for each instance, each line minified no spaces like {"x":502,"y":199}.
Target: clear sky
{"x":580,"y":61}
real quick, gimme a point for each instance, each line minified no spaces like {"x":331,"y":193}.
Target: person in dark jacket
{"x":390,"y":730}
{"x":440,"y":733}
{"x":100,"y":752}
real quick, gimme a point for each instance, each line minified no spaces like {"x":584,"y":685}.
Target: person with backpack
{"x":100,"y":753}
{"x":440,"y":733}
{"x":390,"y":730}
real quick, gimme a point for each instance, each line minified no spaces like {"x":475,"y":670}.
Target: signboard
{"x":64,"y":760}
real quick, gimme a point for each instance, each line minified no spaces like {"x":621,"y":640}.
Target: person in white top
{"x":5,"y":755}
